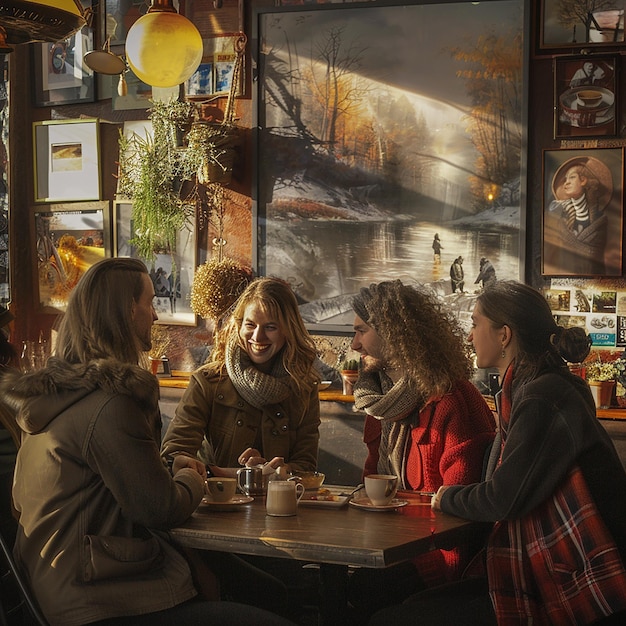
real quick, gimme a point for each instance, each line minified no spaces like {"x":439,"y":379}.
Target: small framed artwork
{"x":585,"y":96}
{"x":216,"y":72}
{"x":581,"y":23}
{"x":582,"y":212}
{"x":171,"y":271}
{"x":61,"y":76}
{"x":200,"y":84}
{"x":70,"y":238}
{"x":67,"y":160}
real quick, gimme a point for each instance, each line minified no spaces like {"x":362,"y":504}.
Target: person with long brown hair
{"x":92,"y":492}
{"x":257,"y":398}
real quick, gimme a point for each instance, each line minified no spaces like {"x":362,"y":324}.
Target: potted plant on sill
{"x":601,"y":377}
{"x":349,"y":374}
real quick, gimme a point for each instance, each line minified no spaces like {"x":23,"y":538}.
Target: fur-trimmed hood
{"x":42,"y":395}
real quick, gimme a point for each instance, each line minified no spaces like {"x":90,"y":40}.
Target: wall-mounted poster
{"x":373,"y":144}
{"x":582,"y":212}
{"x":585,"y":96}
{"x":70,"y":238}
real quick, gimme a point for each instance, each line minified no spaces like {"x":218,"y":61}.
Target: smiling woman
{"x":256,"y":401}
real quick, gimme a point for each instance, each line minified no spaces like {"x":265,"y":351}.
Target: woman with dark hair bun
{"x":553,"y":488}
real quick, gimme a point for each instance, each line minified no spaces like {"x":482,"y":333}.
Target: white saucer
{"x":229,"y":505}
{"x":366,"y":504}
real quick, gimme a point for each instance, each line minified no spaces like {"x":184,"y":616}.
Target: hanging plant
{"x":151,"y":171}
{"x":216,"y":286}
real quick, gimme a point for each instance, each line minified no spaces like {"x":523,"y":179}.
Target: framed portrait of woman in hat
{"x":582,"y":212}
{"x":585,"y":96}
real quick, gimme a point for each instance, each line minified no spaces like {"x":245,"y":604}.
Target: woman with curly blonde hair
{"x":425,"y":421}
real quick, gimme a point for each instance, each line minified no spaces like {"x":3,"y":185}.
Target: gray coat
{"x":89,"y":483}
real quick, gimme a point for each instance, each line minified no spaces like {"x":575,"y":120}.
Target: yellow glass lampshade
{"x":163,"y":48}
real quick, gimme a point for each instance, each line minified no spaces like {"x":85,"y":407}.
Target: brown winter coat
{"x":89,"y":483}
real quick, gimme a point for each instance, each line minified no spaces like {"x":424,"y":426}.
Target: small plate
{"x":366,"y":504}
{"x":333,"y":497}
{"x":229,"y":505}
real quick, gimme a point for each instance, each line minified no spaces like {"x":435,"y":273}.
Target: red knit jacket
{"x":448,"y":447}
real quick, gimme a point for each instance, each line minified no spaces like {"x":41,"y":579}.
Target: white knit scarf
{"x":256,"y":387}
{"x":392,"y":404}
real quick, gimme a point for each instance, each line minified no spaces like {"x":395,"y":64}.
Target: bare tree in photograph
{"x":573,"y":12}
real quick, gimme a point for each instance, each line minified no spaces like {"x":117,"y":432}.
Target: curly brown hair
{"x":420,"y":335}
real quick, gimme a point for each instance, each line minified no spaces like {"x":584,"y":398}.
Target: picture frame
{"x":70,"y":238}
{"x":586,"y":96}
{"x":582,"y":218}
{"x":61,"y":75}
{"x":215,"y":74}
{"x":343,"y":197}
{"x":119,"y":16}
{"x":172,"y":306}
{"x":572,"y":25}
{"x":67,"y":160}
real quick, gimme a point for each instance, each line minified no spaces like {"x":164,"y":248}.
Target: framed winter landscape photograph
{"x":389,"y":147}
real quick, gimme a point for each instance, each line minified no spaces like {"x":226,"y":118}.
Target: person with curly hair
{"x":553,"y":491}
{"x":425,"y":420}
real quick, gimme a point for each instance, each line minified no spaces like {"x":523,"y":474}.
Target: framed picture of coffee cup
{"x":585,"y":96}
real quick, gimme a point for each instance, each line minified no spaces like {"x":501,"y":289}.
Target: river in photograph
{"x":331,"y":258}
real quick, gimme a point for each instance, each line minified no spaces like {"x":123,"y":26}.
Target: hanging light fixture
{"x":104,"y":61}
{"x":41,"y":20}
{"x":163,"y":48}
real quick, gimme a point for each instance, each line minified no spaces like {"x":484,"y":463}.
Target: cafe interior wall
{"x":31,"y":323}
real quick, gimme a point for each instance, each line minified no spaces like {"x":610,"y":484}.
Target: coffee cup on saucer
{"x":220,"y":489}
{"x":381,"y":489}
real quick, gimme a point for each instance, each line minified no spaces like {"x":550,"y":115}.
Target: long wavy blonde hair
{"x":277,"y":300}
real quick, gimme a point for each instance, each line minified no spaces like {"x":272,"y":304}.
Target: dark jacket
{"x":553,"y":426}
{"x":89,"y":482}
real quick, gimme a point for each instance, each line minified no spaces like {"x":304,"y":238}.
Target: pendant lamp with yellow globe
{"x":163,"y":48}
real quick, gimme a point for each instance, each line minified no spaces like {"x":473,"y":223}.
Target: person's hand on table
{"x":182,"y":460}
{"x":435,"y":501}
{"x":251,"y":457}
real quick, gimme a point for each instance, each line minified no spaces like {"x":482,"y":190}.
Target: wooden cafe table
{"x":335,"y":538}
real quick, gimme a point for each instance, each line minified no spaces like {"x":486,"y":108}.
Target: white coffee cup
{"x":283,"y":497}
{"x":221,"y":489}
{"x":381,"y":488}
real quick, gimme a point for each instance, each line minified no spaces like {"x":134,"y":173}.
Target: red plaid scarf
{"x":559,"y":564}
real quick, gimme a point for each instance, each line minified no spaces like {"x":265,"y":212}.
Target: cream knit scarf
{"x":255,"y":387}
{"x":392,"y":404}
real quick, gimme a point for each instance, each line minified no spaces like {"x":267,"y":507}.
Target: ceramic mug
{"x":283,"y":497}
{"x":252,"y":481}
{"x":381,"y":488}
{"x":220,"y":489}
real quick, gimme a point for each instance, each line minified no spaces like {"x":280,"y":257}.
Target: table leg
{"x":333,"y":595}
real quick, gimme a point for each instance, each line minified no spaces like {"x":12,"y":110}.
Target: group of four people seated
{"x":95,"y":488}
